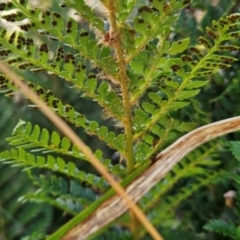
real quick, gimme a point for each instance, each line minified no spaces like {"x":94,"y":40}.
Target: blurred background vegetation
{"x":219,"y":100}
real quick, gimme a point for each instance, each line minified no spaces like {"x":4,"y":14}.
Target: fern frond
{"x":147,"y":22}
{"x":178,"y":84}
{"x":39,"y":140}
{"x":67,"y":32}
{"x":165,"y":209}
{"x":19,"y":157}
{"x":67,"y":206}
{"x":235,"y":148}
{"x":221,"y":226}
{"x":60,"y":186}
{"x":19,"y":219}
{"x":70,"y":67}
{"x":68,"y":196}
{"x":187,"y":191}
{"x":27,"y":136}
{"x":39,"y":223}
{"x":67,"y":112}
{"x":226,"y":96}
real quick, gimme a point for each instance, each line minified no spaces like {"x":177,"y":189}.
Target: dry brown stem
{"x":165,"y":161}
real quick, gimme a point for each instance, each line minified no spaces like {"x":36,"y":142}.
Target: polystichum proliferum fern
{"x":141,"y":78}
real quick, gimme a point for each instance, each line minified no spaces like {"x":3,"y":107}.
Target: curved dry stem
{"x":82,"y":147}
{"x":164,"y":162}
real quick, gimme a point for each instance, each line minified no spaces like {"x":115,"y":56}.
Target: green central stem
{"x":123,"y":81}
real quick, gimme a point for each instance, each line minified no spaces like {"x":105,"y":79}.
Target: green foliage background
{"x":187,"y":202}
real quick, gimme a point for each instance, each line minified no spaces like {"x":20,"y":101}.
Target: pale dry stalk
{"x":164,"y":162}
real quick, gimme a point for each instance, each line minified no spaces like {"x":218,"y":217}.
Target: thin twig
{"x":67,"y":131}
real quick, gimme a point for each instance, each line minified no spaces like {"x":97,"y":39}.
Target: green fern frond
{"x":70,"y":67}
{"x":165,"y":209}
{"x":65,"y":32}
{"x":68,"y":206}
{"x":147,"y":22}
{"x":187,"y":191}
{"x":114,"y":141}
{"x":39,"y":140}
{"x":178,"y":84}
{"x":221,"y":226}
{"x":69,"y":196}
{"x":27,"y":136}
{"x":19,"y":157}
{"x":19,"y":219}
{"x":235,"y":148}
{"x":39,"y":221}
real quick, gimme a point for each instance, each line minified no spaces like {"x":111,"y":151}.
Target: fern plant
{"x":17,"y":220}
{"x":225,"y":225}
{"x":145,"y":82}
